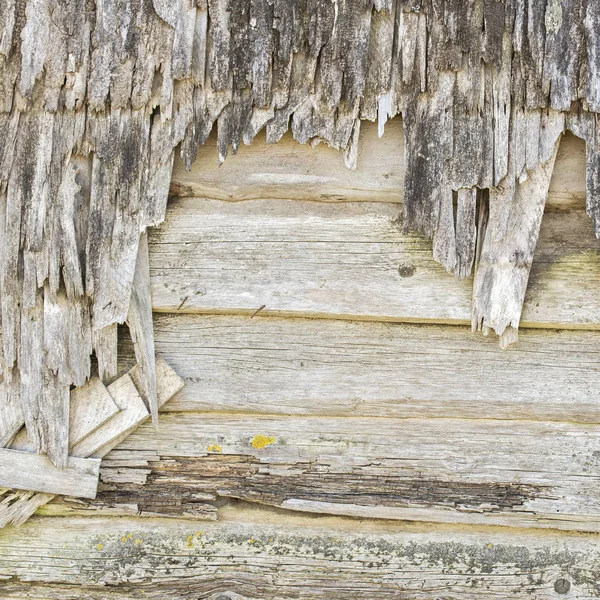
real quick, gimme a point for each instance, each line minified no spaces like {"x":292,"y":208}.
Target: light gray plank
{"x":327,"y":367}
{"x":293,"y":171}
{"x":350,"y":260}
{"x":17,"y":507}
{"x":91,"y":407}
{"x":258,"y":554}
{"x":35,"y":472}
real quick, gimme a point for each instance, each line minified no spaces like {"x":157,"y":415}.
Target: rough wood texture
{"x":471,"y":471}
{"x":259,"y":554}
{"x":326,"y":367}
{"x":288,"y":170}
{"x":28,"y":471}
{"x":95,"y":98}
{"x":17,"y":507}
{"x":352,"y":261}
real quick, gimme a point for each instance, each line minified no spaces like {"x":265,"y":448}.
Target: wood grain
{"x":327,"y":367}
{"x":487,"y":472}
{"x":350,"y":260}
{"x":260,"y":554}
{"x":27,"y":471}
{"x":288,"y":170}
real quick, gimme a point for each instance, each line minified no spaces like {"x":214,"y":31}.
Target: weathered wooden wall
{"x":341,"y":434}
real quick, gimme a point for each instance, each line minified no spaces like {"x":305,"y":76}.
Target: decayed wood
{"x":94,"y":102}
{"x":260,"y":554}
{"x":11,"y":415}
{"x":28,"y":471}
{"x":16,"y":508}
{"x":288,"y":170}
{"x":350,"y":260}
{"x":326,"y":367}
{"x":507,"y":249}
{"x":471,"y":471}
{"x":139,"y":322}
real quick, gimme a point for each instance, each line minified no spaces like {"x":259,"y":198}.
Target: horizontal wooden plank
{"x":350,"y":260}
{"x":300,"y":172}
{"x":259,"y":554}
{"x":27,"y":471}
{"x":328,"y":367}
{"x":487,"y":472}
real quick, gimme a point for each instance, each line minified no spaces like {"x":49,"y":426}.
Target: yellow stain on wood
{"x":262,"y":441}
{"x":100,"y":546}
{"x":138,"y":542}
{"x":214,"y":448}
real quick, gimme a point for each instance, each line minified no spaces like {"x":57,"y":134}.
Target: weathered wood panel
{"x":470,"y":471}
{"x":28,"y":471}
{"x":350,"y":260}
{"x":259,"y":554}
{"x":300,"y":172}
{"x":328,"y":367}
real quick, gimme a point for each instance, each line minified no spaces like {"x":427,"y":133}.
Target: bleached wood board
{"x":300,"y":172}
{"x":259,"y":554}
{"x":27,"y":471}
{"x":470,"y":471}
{"x":350,"y":368}
{"x":350,"y":260}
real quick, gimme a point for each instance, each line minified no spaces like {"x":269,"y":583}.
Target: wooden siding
{"x":288,"y":170}
{"x":341,"y":433}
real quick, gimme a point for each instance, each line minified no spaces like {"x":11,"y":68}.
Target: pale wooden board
{"x":27,"y":471}
{"x":470,"y":471}
{"x":350,"y":260}
{"x":300,"y":172}
{"x":259,"y":554}
{"x":328,"y":367}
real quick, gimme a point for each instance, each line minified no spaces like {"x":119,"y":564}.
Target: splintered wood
{"x":94,"y":432}
{"x":93,"y":103}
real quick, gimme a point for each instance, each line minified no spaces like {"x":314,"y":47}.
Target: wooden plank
{"x":289,"y":170}
{"x":259,"y":554}
{"x":470,"y":471}
{"x":350,"y":260}
{"x":328,"y":367}
{"x":27,"y":471}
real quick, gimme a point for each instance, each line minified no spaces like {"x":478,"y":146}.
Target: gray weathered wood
{"x":507,"y":249}
{"x":288,"y":170}
{"x":258,"y":554}
{"x":325,"y":367}
{"x":350,"y":260}
{"x":17,"y":507}
{"x":91,"y":407}
{"x":470,"y":471}
{"x":28,"y":471}
{"x":139,"y":321}
{"x":11,"y":415}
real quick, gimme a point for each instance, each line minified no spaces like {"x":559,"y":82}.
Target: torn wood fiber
{"x":94,"y":98}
